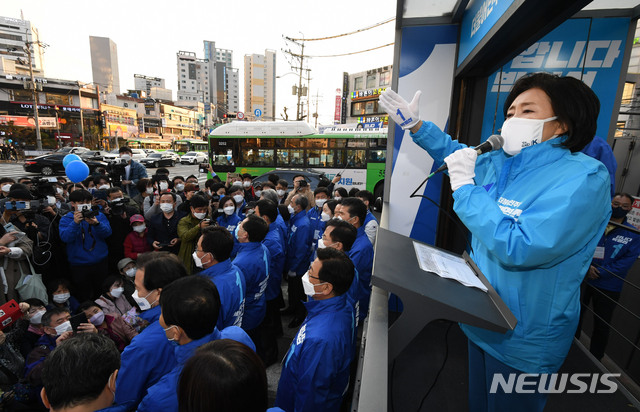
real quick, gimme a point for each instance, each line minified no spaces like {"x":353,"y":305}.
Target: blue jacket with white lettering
{"x":228,"y":222}
{"x":299,"y":243}
{"x":621,"y":249}
{"x":253,"y":260}
{"x":276,"y":246}
{"x":361,"y":254}
{"x":229,"y":281}
{"x":315,"y":371}
{"x":536,"y":219}
{"x":163,"y":396}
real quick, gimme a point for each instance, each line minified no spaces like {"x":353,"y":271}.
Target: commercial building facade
{"x":259,"y":86}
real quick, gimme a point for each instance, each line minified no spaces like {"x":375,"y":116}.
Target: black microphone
{"x":494,"y":142}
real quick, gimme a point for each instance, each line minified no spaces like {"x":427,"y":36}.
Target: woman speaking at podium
{"x":536,"y":209}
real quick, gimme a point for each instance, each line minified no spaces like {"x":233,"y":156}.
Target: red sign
{"x":26,"y":121}
{"x":338,"y":109}
{"x":240,"y":115}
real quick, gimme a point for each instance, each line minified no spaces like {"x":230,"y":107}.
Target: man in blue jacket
{"x":133,"y":172}
{"x":86,"y":245}
{"x":190,"y":308}
{"x":272,"y":325}
{"x":212,"y":253}
{"x":253,"y":260}
{"x":149,"y":356}
{"x":354,"y":211}
{"x":298,"y":255}
{"x":616,"y":252}
{"x":315,"y":370}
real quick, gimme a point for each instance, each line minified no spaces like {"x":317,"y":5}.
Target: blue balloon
{"x":77,"y":171}
{"x":69,"y":158}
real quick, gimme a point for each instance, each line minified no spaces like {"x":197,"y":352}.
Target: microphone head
{"x":496,"y":141}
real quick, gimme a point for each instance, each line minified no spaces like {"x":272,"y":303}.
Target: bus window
{"x":356,"y":159}
{"x":377,"y":156}
{"x":222,"y":152}
{"x":318,"y":143}
{"x":290,"y":158}
{"x":320,"y":158}
{"x":357,"y":142}
{"x":339,"y":143}
{"x":290,"y":143}
{"x":257,"y":157}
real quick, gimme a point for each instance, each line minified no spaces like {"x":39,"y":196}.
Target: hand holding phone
{"x":76,"y":320}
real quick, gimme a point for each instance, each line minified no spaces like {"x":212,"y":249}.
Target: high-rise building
{"x":224,"y":83}
{"x":104,"y":64}
{"x":15,"y":35}
{"x":142,"y":82}
{"x":259,"y":85}
{"x":193,"y":78}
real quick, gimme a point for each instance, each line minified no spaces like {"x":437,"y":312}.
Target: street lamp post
{"x":58,"y":127}
{"x":35,"y":101}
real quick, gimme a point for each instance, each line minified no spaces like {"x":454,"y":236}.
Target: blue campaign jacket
{"x":361,"y":254}
{"x":315,"y":370}
{"x":229,"y":222}
{"x":599,"y":149}
{"x":80,"y":238}
{"x":283,"y":228}
{"x":253,"y":260}
{"x":621,"y":249}
{"x":317,"y":229}
{"x":276,"y":246}
{"x":144,"y":362}
{"x":231,"y":285}
{"x":163,"y":396}
{"x":536,"y":219}
{"x":299,"y":243}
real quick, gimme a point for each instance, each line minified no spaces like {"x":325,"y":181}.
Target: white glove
{"x":405,"y":115}
{"x":461,"y":165}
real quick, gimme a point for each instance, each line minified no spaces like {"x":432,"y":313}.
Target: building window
{"x":358,"y":83}
{"x":371,"y":81}
{"x":385,"y":79}
{"x":364,"y":108}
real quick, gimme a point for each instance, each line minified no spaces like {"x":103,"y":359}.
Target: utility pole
{"x":299,"y":109}
{"x":27,"y":49}
{"x":299,"y":92}
{"x":316,"y":112}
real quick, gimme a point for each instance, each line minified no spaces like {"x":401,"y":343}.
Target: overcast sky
{"x":150,"y":33}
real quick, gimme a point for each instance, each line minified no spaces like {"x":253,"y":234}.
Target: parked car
{"x":76,"y":150}
{"x":175,"y":156}
{"x":99,"y":155}
{"x":52,"y":164}
{"x":149,"y":151}
{"x":136,"y":154}
{"x":158,"y":159}
{"x":193,"y":158}
{"x":310,"y":175}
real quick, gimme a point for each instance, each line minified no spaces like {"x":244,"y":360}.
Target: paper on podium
{"x":446,"y":265}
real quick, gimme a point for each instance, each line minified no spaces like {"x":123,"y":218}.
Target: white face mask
{"x":139,"y":228}
{"x":36,"y":318}
{"x":246,"y":184}
{"x":83,"y":206}
{"x":143,"y":303}
{"x":519,"y":133}
{"x":117,"y":292}
{"x":64,"y":327}
{"x":61,"y":298}
{"x":164,"y":186}
{"x":258,"y":193}
{"x":238,"y":199}
{"x":6,"y":188}
{"x":309,"y":288}
{"x":325,"y":217}
{"x":149,"y":190}
{"x":166,"y":207}
{"x":320,"y":202}
{"x":337,"y":198}
{"x":291,"y":209}
{"x":130,"y":272}
{"x":59,"y":191}
{"x":126,"y":157}
{"x":51,"y":200}
{"x":280,"y":192}
{"x":179,"y":187}
{"x":229,"y":210}
{"x":103,"y":187}
{"x":196,"y":259}
{"x":200,"y":216}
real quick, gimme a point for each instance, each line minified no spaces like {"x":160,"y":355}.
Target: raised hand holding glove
{"x":461,"y":165}
{"x":405,"y":115}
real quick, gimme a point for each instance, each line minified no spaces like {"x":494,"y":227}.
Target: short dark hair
{"x":109,"y":281}
{"x":246,"y":176}
{"x":223,"y":375}
{"x":256,"y":228}
{"x":160,"y":269}
{"x":98,"y":178}
{"x":217,"y":186}
{"x":342,"y":192}
{"x":46,"y":318}
{"x":283,"y":183}
{"x":54,"y":284}
{"x":268,"y":208}
{"x":125,"y":149}
{"x":273,"y":178}
{"x":217,"y":241}
{"x":173,"y":195}
{"x":320,"y":189}
{"x":572,"y":101}
{"x":623,"y":194}
{"x":193,"y":303}
{"x":86,"y":305}
{"x":336,"y":269}
{"x":343,"y":232}
{"x":355,"y":207}
{"x":302,"y":201}
{"x":198,"y":201}
{"x":77,"y":371}
{"x":114,"y":189}
{"x":298,"y":175}
{"x":209,"y":183}
{"x":6,"y":179}
{"x":353,"y":191}
{"x":162,"y":171}
{"x":365,"y":194}
{"x":80,"y":195}
{"x":331,"y":204}
{"x":174,"y":178}
{"x":34,"y":302}
{"x":142,"y":184}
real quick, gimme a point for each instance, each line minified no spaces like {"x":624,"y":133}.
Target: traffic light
{"x":231,"y":115}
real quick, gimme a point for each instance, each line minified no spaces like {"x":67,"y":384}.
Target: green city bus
{"x":183,"y":146}
{"x":256,"y":148}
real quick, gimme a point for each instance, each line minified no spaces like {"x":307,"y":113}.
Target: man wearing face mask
{"x":281,"y":190}
{"x":178,"y":186}
{"x":81,"y":374}
{"x":212,"y":254}
{"x":118,"y":213}
{"x":57,"y":328}
{"x":151,"y":204}
{"x":247,"y":185}
{"x":321,"y":195}
{"x":133,"y":172}
{"x":163,"y":227}
{"x":190,"y":308}
{"x":616,"y":252}
{"x":149,"y":356}
{"x":321,"y":352}
{"x":189,"y":228}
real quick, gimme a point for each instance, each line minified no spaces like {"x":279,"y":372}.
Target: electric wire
{"x":358,"y":52}
{"x":346,"y":34}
